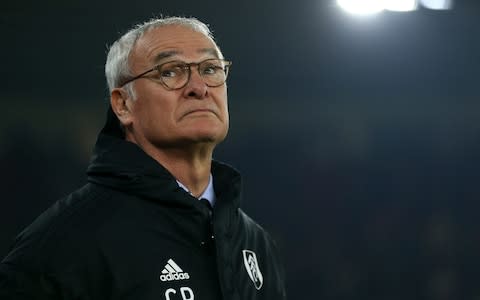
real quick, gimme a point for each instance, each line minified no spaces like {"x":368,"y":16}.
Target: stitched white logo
{"x":253,"y":270}
{"x":173,"y":272}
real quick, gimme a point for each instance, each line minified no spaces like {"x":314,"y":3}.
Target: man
{"x":158,"y":218}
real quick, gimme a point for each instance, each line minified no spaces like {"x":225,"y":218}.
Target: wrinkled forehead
{"x":174,"y":42}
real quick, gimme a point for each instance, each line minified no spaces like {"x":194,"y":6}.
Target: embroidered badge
{"x":253,"y":270}
{"x":173,"y":272}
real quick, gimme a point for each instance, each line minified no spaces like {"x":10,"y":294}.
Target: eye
{"x":168,"y":73}
{"x":172,"y":70}
{"x":211,"y":69}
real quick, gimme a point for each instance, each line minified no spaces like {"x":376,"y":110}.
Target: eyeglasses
{"x":174,"y":75}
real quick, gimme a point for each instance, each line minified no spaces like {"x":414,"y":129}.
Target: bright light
{"x":400,"y":5}
{"x":368,"y":7}
{"x":365,"y":7}
{"x":437,"y":4}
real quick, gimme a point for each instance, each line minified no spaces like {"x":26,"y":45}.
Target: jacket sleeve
{"x":278,"y":262}
{"x":18,"y":284}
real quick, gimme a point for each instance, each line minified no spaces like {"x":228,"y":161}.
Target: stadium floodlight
{"x":368,"y":7}
{"x":437,"y":4}
{"x":400,"y":5}
{"x":365,"y":7}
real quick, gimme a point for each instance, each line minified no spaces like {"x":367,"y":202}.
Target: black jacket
{"x":132,"y":233}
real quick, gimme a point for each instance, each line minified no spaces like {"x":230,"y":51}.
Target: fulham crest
{"x":251,"y":264}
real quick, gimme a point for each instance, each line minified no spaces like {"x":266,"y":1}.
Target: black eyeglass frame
{"x":188,"y":66}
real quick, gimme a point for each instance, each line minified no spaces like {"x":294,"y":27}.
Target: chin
{"x":210,"y":138}
{"x":208,"y":130}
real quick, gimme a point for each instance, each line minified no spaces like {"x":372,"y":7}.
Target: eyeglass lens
{"x":176,"y":74}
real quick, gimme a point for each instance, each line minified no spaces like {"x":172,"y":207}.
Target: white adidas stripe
{"x":171,"y":267}
{"x":173,"y":272}
{"x":174,"y":265}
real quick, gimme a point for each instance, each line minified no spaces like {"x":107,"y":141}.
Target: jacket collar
{"x":124,"y":166}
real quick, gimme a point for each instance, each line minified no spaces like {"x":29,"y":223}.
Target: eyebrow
{"x":212,"y":51}
{"x":166,"y":54}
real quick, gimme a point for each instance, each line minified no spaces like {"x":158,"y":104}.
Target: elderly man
{"x":158,"y":218}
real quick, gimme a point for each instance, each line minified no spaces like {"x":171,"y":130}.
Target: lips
{"x":199,"y":110}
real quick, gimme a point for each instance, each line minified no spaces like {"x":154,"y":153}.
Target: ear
{"x":121,"y":100}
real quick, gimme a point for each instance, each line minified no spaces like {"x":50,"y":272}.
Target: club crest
{"x":253,"y":270}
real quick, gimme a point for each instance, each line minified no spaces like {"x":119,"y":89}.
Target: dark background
{"x":359,"y":138}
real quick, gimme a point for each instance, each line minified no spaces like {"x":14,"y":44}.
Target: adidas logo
{"x":173,"y":272}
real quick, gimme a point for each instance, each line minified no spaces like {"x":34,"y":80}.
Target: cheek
{"x":147,"y":117}
{"x":154,"y":107}
{"x":225,"y":112}
{"x":223,"y":104}
{"x":225,"y":116}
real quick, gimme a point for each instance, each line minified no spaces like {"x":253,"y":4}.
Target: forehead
{"x":173,"y":41}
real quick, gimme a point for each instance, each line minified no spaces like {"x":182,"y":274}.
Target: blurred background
{"x":358,"y":136}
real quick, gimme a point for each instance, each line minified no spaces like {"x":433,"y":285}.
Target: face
{"x":159,"y":117}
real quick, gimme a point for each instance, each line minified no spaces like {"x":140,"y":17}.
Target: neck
{"x":193,"y":171}
{"x":189,"y":165}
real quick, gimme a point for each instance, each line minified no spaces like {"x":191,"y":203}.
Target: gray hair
{"x":117,"y":67}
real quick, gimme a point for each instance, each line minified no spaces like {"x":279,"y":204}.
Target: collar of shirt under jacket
{"x":208,"y":194}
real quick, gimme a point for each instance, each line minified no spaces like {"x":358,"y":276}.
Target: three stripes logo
{"x":173,"y":272}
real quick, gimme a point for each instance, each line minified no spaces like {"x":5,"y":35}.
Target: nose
{"x":196,"y":87}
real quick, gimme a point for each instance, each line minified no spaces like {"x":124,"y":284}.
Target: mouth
{"x":202,"y":111}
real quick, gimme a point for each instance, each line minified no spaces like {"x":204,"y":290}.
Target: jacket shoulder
{"x":253,"y":240}
{"x":47,"y":244}
{"x":67,"y":217}
{"x":253,"y":229}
